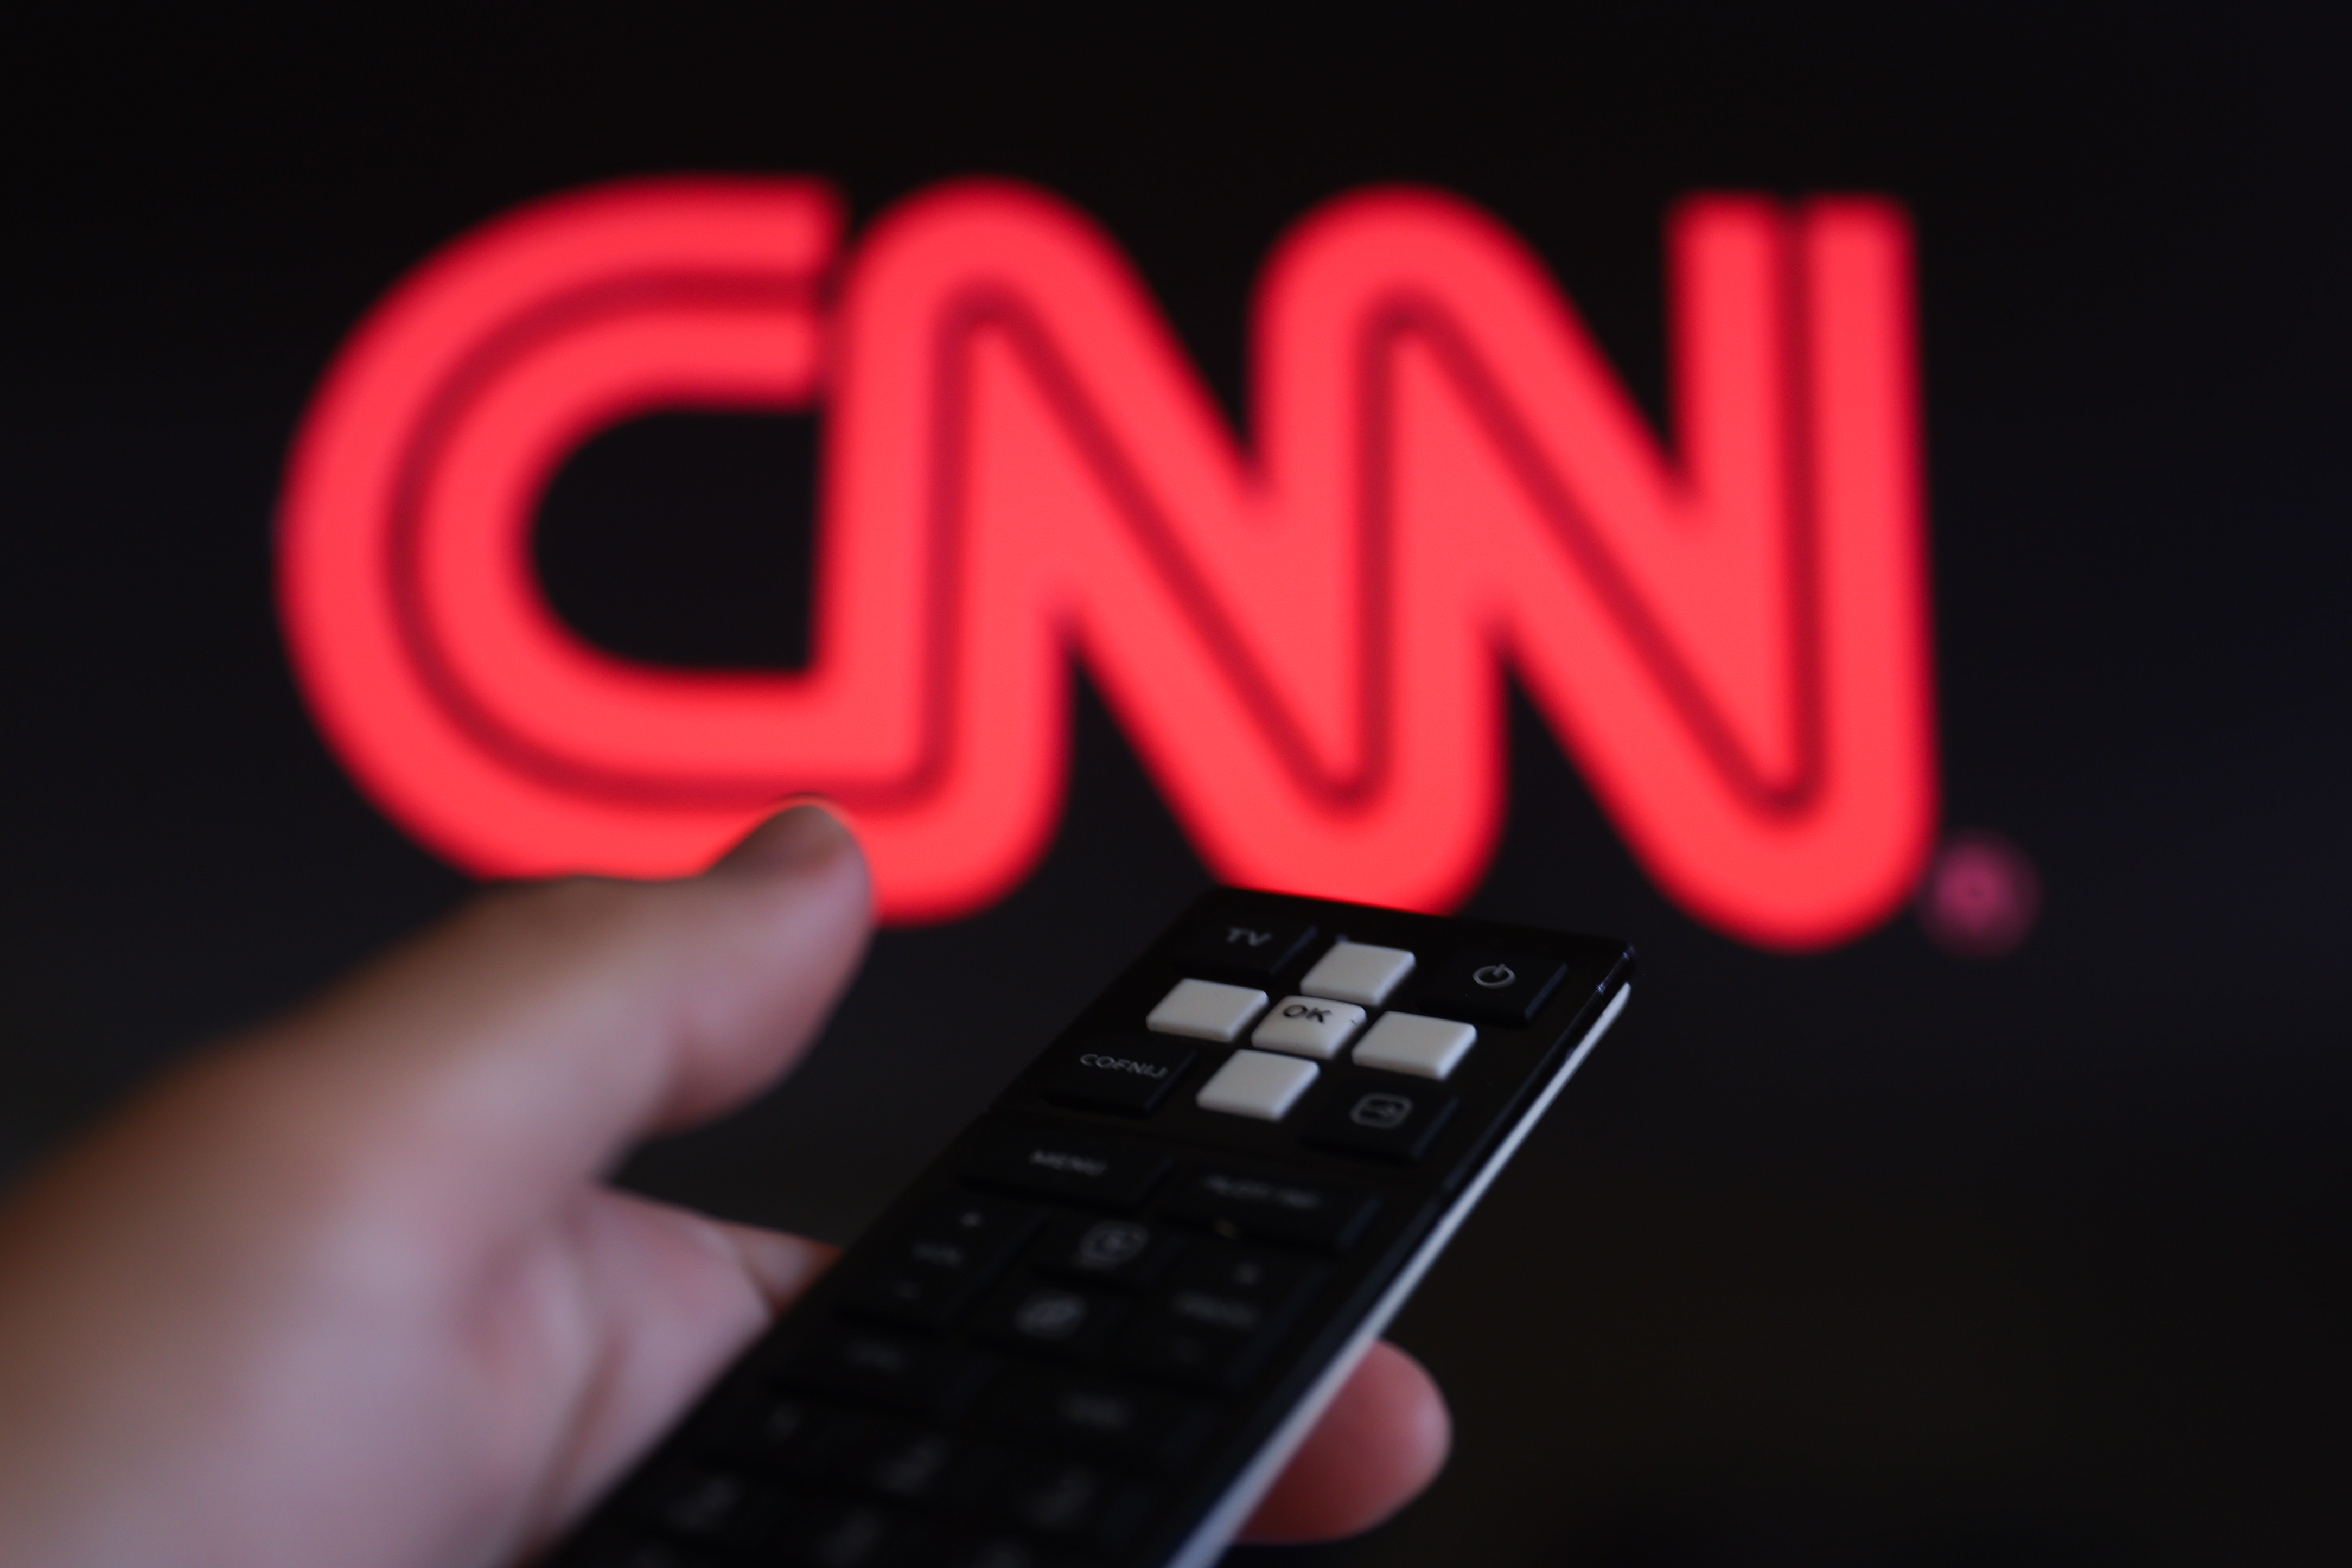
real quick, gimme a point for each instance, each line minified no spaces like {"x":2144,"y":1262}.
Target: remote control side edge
{"x":1217,"y":1529}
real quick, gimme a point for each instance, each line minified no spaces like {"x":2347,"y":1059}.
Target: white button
{"x":1253,"y":1083}
{"x":1204,"y":1010}
{"x":1309,"y":1026}
{"x":1357,"y":972}
{"x":1407,"y":1042}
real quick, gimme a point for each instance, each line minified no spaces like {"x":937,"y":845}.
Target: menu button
{"x":1053,"y":1166}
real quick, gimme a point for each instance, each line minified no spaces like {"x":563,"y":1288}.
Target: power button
{"x":1490,"y":987}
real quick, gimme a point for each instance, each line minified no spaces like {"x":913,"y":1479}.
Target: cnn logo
{"x":1305,"y":634}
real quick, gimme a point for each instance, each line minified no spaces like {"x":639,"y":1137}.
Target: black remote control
{"x":1095,"y":1330}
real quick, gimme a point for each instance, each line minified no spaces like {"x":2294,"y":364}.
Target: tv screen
{"x":1850,"y":503}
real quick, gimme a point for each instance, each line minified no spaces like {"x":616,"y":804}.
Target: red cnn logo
{"x":1304,"y":637}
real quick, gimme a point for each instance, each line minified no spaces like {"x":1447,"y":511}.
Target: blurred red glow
{"x":1981,"y":896}
{"x":1304,"y":636}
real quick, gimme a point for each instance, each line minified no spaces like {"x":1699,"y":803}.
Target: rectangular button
{"x":1061,"y":1498}
{"x":624,"y":1553}
{"x":1309,"y":1026}
{"x":949,"y":1254}
{"x":717,"y":1505}
{"x":927,"y":1379}
{"x":1206,"y":1010}
{"x":1125,"y":1254}
{"x":1407,"y":1042}
{"x":1276,"y":1208}
{"x":1357,"y":972}
{"x":1082,"y":1170}
{"x":1130,"y":1077}
{"x":1125,"y":1426}
{"x":1223,"y":1312}
{"x":1049,"y":1319}
{"x":1240,"y":1287}
{"x":1168,"y":1349}
{"x":785,"y":1433}
{"x":1388,"y":1121}
{"x":844,"y":1535}
{"x":916,"y":1465}
{"x":1254,"y":948}
{"x":1489,"y":987}
{"x":1257,"y":1084}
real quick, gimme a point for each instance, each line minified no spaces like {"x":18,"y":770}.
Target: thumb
{"x":525,"y":1042}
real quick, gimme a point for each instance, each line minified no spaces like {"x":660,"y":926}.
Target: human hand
{"x":350,"y":1291}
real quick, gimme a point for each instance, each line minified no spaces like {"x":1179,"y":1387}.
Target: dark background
{"x":1878,"y":1256}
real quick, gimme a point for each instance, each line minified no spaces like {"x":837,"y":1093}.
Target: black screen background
{"x":1877,"y":1257}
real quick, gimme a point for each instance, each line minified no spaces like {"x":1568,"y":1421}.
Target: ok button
{"x":1309,"y":1026}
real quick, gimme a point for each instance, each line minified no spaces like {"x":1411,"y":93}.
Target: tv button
{"x":1255,"y":948}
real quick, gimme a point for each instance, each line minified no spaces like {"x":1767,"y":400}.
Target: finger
{"x":779,"y":1267}
{"x":676,"y":1296}
{"x":527,"y":1041}
{"x":1384,"y":1438}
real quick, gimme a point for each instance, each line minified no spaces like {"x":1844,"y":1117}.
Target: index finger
{"x":528,"y":1041}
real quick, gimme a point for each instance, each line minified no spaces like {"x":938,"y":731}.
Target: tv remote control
{"x":1096,"y":1329}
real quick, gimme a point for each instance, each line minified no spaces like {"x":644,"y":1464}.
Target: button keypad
{"x":1102,"y":1348}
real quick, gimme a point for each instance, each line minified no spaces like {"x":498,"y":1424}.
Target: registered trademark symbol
{"x":1980,"y":895}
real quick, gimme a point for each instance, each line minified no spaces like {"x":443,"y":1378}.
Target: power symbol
{"x":1495,"y":976}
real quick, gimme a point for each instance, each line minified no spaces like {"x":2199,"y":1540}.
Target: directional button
{"x":1407,"y":1042}
{"x":1206,"y":1010}
{"x":1258,"y":1084}
{"x":1357,"y":972}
